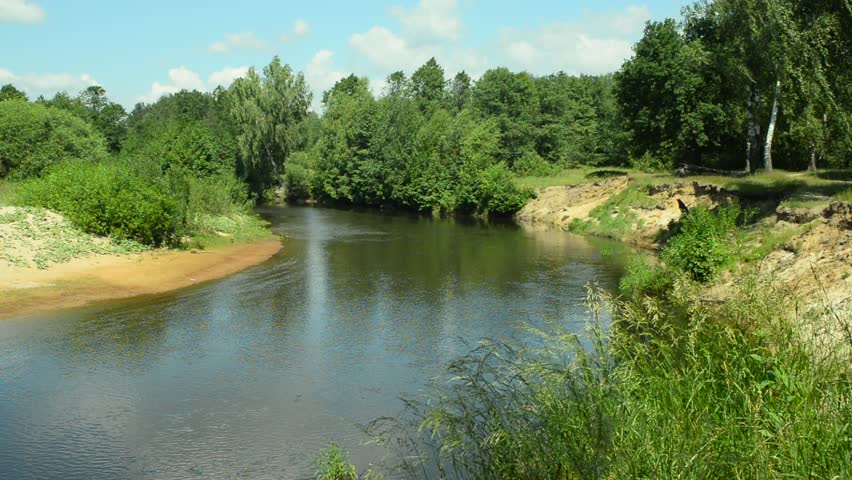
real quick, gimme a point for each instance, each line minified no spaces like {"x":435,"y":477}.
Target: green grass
{"x":573,"y":176}
{"x":756,"y":242}
{"x":844,"y":195}
{"x":5,"y":194}
{"x":679,"y":389}
{"x":218,"y":230}
{"x":779,"y":182}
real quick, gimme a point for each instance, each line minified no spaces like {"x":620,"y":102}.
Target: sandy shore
{"x":25,"y":291}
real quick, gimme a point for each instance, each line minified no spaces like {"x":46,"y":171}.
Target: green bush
{"x":497,"y":193}
{"x":642,"y":278}
{"x":702,"y":243}
{"x":298,"y":176}
{"x":532,"y":165}
{"x":649,"y":164}
{"x":33,"y":137}
{"x":109,"y":198}
{"x":333,"y":465}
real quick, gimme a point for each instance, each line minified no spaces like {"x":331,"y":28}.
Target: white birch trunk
{"x":812,"y":162}
{"x":770,"y":130}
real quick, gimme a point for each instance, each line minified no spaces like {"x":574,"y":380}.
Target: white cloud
{"x":301,"y":27}
{"x":47,"y":84}
{"x":388,"y":50}
{"x":180,"y":78}
{"x":522,"y":53}
{"x":600,"y":44}
{"x":430,"y":20}
{"x":20,"y":11}
{"x":226,"y":76}
{"x":237,"y":42}
{"x":321,"y":75}
{"x":628,"y":22}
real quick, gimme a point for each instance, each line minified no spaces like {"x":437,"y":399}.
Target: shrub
{"x":110,"y":198}
{"x":532,"y":165}
{"x":649,"y":164}
{"x":701,"y":244}
{"x":497,"y":193}
{"x":333,"y":465}
{"x":33,"y":137}
{"x":642,"y":279}
{"x":298,"y":176}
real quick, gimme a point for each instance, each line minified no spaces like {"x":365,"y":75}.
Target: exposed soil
{"x":558,"y":207}
{"x":816,"y":263}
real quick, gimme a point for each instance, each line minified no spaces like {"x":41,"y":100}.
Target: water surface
{"x":250,"y":376}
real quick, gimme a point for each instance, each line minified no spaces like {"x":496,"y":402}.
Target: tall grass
{"x":678,"y":389}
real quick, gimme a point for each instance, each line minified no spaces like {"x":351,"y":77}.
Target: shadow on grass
{"x":783,"y":187}
{"x":844,"y":175}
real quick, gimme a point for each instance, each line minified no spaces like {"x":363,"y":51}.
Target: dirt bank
{"x":809,"y":250}
{"x":617,"y":208}
{"x":82,"y":281}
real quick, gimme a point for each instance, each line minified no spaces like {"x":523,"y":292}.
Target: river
{"x":252,"y":375}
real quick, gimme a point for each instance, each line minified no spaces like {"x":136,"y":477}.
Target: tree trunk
{"x":753,"y":134}
{"x":812,"y":162}
{"x":770,"y":130}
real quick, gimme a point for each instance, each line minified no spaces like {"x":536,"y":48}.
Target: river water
{"x":252,"y":375}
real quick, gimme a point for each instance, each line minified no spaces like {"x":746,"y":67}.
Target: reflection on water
{"x":252,"y":375}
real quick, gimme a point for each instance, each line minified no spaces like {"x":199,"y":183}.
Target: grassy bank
{"x":680,"y":386}
{"x":826,"y":183}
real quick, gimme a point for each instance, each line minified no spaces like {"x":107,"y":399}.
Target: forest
{"x":732,"y":85}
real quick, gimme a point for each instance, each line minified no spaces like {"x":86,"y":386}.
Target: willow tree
{"x":267,"y":112}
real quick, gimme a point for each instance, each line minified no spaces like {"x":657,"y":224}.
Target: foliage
{"x":33,"y":137}
{"x":644,"y":279}
{"x":410,"y":152}
{"x":648,"y":163}
{"x":532,"y":165}
{"x":267,"y":113}
{"x":9,"y":92}
{"x":299,"y":176}
{"x":135,"y":200}
{"x":496,"y":192}
{"x":93,"y":106}
{"x":702,"y":244}
{"x":333,"y":465}
{"x":677,"y":389}
{"x":109,"y":199}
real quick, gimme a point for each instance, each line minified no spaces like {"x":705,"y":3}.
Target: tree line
{"x":733,"y":84}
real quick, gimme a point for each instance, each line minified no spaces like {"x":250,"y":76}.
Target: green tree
{"x":512,"y":100}
{"x":346,"y":171}
{"x":9,"y":92}
{"x":267,"y":113}
{"x":460,"y":91}
{"x":34,"y":137}
{"x":428,"y":86}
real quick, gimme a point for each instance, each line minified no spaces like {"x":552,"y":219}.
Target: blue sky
{"x":140,"y":50}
